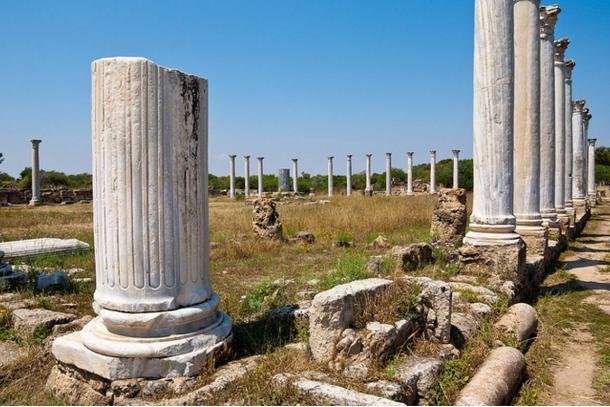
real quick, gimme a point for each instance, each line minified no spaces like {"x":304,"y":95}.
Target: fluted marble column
{"x":232,"y":176}
{"x":548,"y":19}
{"x":369,"y":188}
{"x":456,"y":175}
{"x":568,"y":67}
{"x":157,"y":313}
{"x":591,"y":189}
{"x":587,"y":117}
{"x":260,"y":175}
{"x":330,"y":175}
{"x":388,"y":174}
{"x":295,"y":175}
{"x":410,"y":173}
{"x":579,"y":188}
{"x":433,"y":171}
{"x":35,"y":173}
{"x":560,"y":137}
{"x":492,"y":221}
{"x":349,"y":175}
{"x":526,"y":153}
{"x":247,"y":176}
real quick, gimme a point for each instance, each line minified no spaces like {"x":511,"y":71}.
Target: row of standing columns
{"x":349,"y":190}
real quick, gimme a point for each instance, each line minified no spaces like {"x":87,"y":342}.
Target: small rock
{"x":480,"y":309}
{"x":9,"y":353}
{"x":297,"y":346}
{"x":374,"y":265}
{"x":463,"y":326}
{"x":74,"y":271}
{"x":128,"y":388}
{"x":28,"y":320}
{"x":306,"y":237}
{"x":314,"y":282}
{"x":74,"y":391}
{"x":420,"y":373}
{"x":358,"y":371}
{"x":387,"y":389}
{"x":409,"y":258}
{"x":448,"y":352}
{"x":380,"y":243}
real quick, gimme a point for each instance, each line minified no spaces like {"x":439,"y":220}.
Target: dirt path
{"x":574,"y":375}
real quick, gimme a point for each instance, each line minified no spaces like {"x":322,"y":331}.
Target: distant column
{"x":247,"y":175}
{"x":456,"y":159}
{"x":369,"y":188}
{"x":560,"y":136}
{"x":569,"y":66}
{"x":349,"y":175}
{"x":410,"y":173}
{"x":283,"y":180}
{"x":330,"y":175}
{"x":585,"y":136}
{"x":433,"y":171}
{"x":388,"y":174}
{"x":548,"y":19}
{"x":295,"y":175}
{"x":232,"y":176}
{"x":35,"y":173}
{"x":260,"y":175}
{"x":579,"y":188}
{"x":492,"y":221}
{"x":591,"y":173}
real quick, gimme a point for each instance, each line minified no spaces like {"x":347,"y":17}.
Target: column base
{"x":535,"y":238}
{"x":35,"y":202}
{"x":188,"y":353}
{"x":368,"y":192}
{"x":592,"y":199}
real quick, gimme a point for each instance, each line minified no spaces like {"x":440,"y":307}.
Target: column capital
{"x":349,"y":156}
{"x":260,"y":158}
{"x":548,"y":19}
{"x":592,"y":141}
{"x":561,"y":45}
{"x":388,"y":154}
{"x":455,"y":151}
{"x":578,"y":106}
{"x":232,"y":156}
{"x":369,"y":155}
{"x":330,"y":157}
{"x":410,"y":153}
{"x":247,"y":157}
{"x":294,"y":160}
{"x":588,"y":116}
{"x":433,"y":152}
{"x":569,"y":65}
{"x":35,"y":142}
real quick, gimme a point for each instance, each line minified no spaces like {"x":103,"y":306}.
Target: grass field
{"x":244,"y":269}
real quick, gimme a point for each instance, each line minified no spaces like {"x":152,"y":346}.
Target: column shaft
{"x":330,"y":176}
{"x":260,"y":176}
{"x":295,"y":175}
{"x":410,"y":173}
{"x":433,"y":172}
{"x":560,"y":138}
{"x":456,"y":159}
{"x":35,"y":173}
{"x":349,"y":175}
{"x":247,"y":176}
{"x":579,"y":187}
{"x":591,"y":189}
{"x":388,"y":174}
{"x":232,"y":176}
{"x":369,"y":188}
{"x":568,"y":67}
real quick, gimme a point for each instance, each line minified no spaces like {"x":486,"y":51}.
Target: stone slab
{"x":28,"y":320}
{"x":21,"y":249}
{"x":9,"y":353}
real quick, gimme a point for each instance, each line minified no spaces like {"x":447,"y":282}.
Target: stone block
{"x":20,"y":249}
{"x":410,"y":257}
{"x":450,"y":217}
{"x":437,"y":298}
{"x":74,"y":391}
{"x":419,"y":373}
{"x":28,"y":320}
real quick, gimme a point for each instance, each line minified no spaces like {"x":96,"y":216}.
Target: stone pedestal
{"x":548,"y":19}
{"x":591,"y":192}
{"x":388,"y":174}
{"x":157,"y":313}
{"x":35,"y":173}
{"x":410,"y":173}
{"x":261,"y":188}
{"x":527,"y":127}
{"x":283,"y":180}
{"x":368,"y":190}
{"x":456,"y":159}
{"x":560,"y":138}
{"x":330,"y":176}
{"x":232,"y":176}
{"x":247,"y":176}
{"x":349,"y":175}
{"x":295,"y":176}
{"x":432,"y":172}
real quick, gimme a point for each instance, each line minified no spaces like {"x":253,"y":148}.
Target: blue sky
{"x":287,"y":79}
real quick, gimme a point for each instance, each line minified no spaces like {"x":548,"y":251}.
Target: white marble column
{"x":591,"y":191}
{"x":388,"y":174}
{"x":560,"y":137}
{"x":295,"y":175}
{"x":260,"y":175}
{"x":492,"y":221}
{"x":369,"y":187}
{"x":330,"y":175}
{"x":35,"y":173}
{"x":232,"y":176}
{"x":456,"y":175}
{"x":432,"y":171}
{"x":568,"y":67}
{"x":587,"y":116}
{"x":579,"y":188}
{"x":526,"y":154}
{"x":349,"y":175}
{"x":410,"y":173}
{"x":548,"y":19}
{"x":247,"y":176}
{"x":157,"y":313}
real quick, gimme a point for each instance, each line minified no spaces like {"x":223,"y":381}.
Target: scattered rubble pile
{"x":450,"y":217}
{"x":265,"y":219}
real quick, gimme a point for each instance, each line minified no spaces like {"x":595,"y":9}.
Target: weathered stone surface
{"x":496,"y":380}
{"x":480,"y":291}
{"x":391,"y":390}
{"x":480,"y":309}
{"x":448,"y":352}
{"x":520,"y":320}
{"x":10,"y":353}
{"x":28,"y":320}
{"x":71,"y":326}
{"x":330,"y":394}
{"x":380,"y":243}
{"x":20,"y":249}
{"x":374,"y":265}
{"x":419,"y":373}
{"x":306,"y":237}
{"x":463,"y":326}
{"x":332,"y":311}
{"x":75,"y":391}
{"x":265,"y":219}
{"x":410,"y":257}
{"x":437,"y":297}
{"x":450,"y":217}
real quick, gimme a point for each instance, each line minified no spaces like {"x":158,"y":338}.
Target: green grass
{"x":349,"y":267}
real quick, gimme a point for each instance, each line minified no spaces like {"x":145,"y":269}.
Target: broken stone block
{"x":75,"y":390}
{"x":373,"y":266}
{"x":463,"y":327}
{"x":71,"y":326}
{"x":481,"y":292}
{"x":20,"y":249}
{"x":306,"y":237}
{"x":390,"y":390}
{"x":410,"y":257}
{"x":10,"y":353}
{"x":28,"y":320}
{"x":450,"y":217}
{"x":420,"y":373}
{"x":436,"y":296}
{"x":480,"y":309}
{"x":265,"y":219}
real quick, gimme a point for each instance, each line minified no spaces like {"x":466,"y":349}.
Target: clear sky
{"x":287,"y":79}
